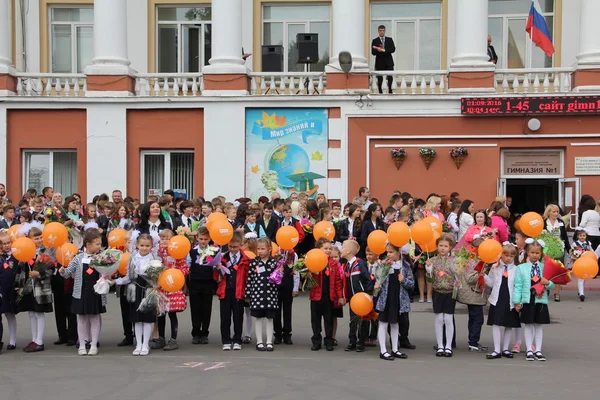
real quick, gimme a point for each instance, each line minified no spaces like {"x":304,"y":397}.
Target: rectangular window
{"x":54,"y":168}
{"x":165,"y":169}
{"x":416,"y":28}
{"x":507,"y":21}
{"x":282,"y":23}
{"x":183,"y":38}
{"x":71,"y":39}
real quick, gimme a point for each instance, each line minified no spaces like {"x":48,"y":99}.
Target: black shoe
{"x":335,"y":342}
{"x":386,"y":356}
{"x":582,"y":297}
{"x":277,"y":340}
{"x":71,"y":342}
{"x":60,"y":341}
{"x":125,"y":342}
{"x":288,"y":340}
{"x":529,"y":356}
{"x":196,"y":340}
{"x":34,"y":349}
{"x":407,"y":345}
{"x":439,"y":352}
{"x":448,"y":353}
{"x":203,"y":340}
{"x":329,"y":347}
{"x":270,"y":347}
{"x":397,"y":354}
{"x":316,"y":347}
{"x":494,"y":355}
{"x":350,"y":347}
{"x":261,"y":347}
{"x":360,"y":348}
{"x":507,"y":354}
{"x":1,"y":346}
{"x":11,"y":347}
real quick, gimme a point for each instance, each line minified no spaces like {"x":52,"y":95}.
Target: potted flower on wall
{"x":428,"y":155}
{"x":459,"y":154}
{"x":398,"y":155}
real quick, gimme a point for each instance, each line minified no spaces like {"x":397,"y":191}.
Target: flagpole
{"x":530,"y":60}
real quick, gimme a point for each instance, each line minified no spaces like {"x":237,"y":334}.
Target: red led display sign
{"x":563,"y":105}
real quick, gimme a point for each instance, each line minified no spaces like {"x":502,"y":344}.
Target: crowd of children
{"x":256,"y":285}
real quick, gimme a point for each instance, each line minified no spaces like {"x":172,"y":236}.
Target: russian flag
{"x":538,"y":30}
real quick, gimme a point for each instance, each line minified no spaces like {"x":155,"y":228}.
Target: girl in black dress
{"x":8,"y":266}
{"x":501,"y":279}
{"x":86,"y":304}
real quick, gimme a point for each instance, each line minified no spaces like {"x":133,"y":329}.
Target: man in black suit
{"x":491,"y":51}
{"x":269,"y":221}
{"x":382,"y":48}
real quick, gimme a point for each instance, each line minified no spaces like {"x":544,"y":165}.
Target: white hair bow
{"x":538,"y":241}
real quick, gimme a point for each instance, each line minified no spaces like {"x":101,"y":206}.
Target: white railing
{"x":410,"y":82}
{"x":57,"y":85}
{"x":542,"y":80}
{"x":169,"y":84}
{"x":287,"y":83}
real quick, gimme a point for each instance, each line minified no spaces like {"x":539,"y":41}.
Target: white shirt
{"x":453,"y":223}
{"x":367,"y":204}
{"x":350,"y":227}
{"x":187,"y":221}
{"x":140,"y":264}
{"x":590,"y":221}
{"x":465,"y":221}
{"x":153,"y":226}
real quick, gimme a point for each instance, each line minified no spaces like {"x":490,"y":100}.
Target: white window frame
{"x":167,"y":173}
{"x":74,"y":26}
{"x":285,"y":23}
{"x":180,"y":26}
{"x":503,"y":55}
{"x":50,"y":153}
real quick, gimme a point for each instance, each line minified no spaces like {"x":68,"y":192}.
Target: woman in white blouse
{"x":590,"y":221}
{"x":465,"y":217}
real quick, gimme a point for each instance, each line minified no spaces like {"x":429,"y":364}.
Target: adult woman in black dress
{"x":151,"y":219}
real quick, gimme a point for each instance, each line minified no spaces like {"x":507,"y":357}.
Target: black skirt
{"x":269,"y":314}
{"x":28,"y":303}
{"x":392,"y":305}
{"x":533,"y":313}
{"x":135,"y":316}
{"x":501,"y":314}
{"x":90,"y":302}
{"x":443,"y":303}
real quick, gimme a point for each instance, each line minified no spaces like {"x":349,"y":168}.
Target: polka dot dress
{"x":262,"y":294}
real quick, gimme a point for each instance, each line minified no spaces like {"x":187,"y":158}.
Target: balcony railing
{"x":410,"y":82}
{"x":287,"y":83}
{"x":543,"y":80}
{"x":169,"y":85}
{"x":56,"y":85}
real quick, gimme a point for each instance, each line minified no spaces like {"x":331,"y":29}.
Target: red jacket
{"x":240,"y":280}
{"x":336,"y":282}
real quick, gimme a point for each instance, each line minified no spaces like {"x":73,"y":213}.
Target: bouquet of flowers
{"x":381,"y":273}
{"x":42,"y":264}
{"x":307,"y":225}
{"x":555,"y":248}
{"x":187,"y":232}
{"x":276,"y":277}
{"x":309,"y":280}
{"x":55,"y":214}
{"x":554,"y":271}
{"x":115,"y":220}
{"x":210,"y":256}
{"x":445,"y":227}
{"x":154,"y":299}
{"x":107,"y":261}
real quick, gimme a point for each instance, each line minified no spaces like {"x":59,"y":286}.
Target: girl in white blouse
{"x":465,"y":217}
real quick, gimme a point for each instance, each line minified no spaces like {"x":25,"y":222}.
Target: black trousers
{"x":322,"y":309}
{"x":125,"y":306}
{"x":475,"y":323}
{"x":285,"y":310}
{"x":359,"y":330}
{"x":403,"y":326}
{"x":66,"y":321}
{"x":231,"y":308}
{"x":201,"y":298}
{"x":380,"y":82}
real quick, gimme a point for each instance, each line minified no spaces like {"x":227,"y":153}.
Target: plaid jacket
{"x":42,"y":289}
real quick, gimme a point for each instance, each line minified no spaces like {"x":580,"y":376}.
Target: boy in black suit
{"x":269,"y":222}
{"x":8,"y":212}
{"x":382,"y":48}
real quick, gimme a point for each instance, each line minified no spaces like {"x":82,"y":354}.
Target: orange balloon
{"x":590,"y":254}
{"x":65,"y":253}
{"x":171,"y":280}
{"x":398,"y":234}
{"x":13,"y":232}
{"x":124,"y":264}
{"x":179,"y":247}
{"x":435,"y":223}
{"x":213,"y":217}
{"x":531,"y":224}
{"x":287,"y":237}
{"x":377,"y":241}
{"x":518,"y":225}
{"x":117,"y":238}
{"x":324,"y":229}
{"x":274,"y":249}
{"x":489,"y":251}
{"x":585,"y":268}
{"x":361,"y":304}
{"x":421,"y":232}
{"x":23,"y":249}
{"x":432,"y":245}
{"x":54,"y":235}
{"x":250,"y":254}
{"x":315,"y":260}
{"x":221,"y":232}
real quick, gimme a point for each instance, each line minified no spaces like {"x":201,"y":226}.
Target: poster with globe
{"x":286,"y":151}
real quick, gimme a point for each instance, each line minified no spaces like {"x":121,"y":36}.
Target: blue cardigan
{"x":522,"y":289}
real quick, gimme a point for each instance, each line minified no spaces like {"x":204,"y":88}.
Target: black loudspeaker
{"x":308,"y":48}
{"x":272,"y":58}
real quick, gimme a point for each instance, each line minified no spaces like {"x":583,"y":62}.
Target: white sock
{"x":497,"y":335}
{"x":83,"y":330}
{"x":41,"y":327}
{"x":580,"y":286}
{"x":269,"y":323}
{"x":507,"y":337}
{"x":258,"y":328}
{"x":248,"y":322}
{"x":33,"y":324}
{"x":95,"y":326}
{"x":539,"y":337}
{"x":147,"y":335}
{"x":139,"y":332}
{"x":529,"y":332}
{"x":394,"y":332}
{"x":518,"y":335}
{"x":449,"y":330}
{"x":12,"y":328}
{"x":381,"y":336}
{"x":439,"y":330}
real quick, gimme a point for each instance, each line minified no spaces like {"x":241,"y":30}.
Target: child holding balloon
{"x":86,"y":303}
{"x":8,"y":266}
{"x":581,"y":245}
{"x":372,"y":264}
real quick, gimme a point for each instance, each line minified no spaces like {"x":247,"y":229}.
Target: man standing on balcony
{"x":492,"y":51}
{"x":382,"y":48}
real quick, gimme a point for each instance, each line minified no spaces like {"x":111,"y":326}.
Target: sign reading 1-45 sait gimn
{"x":547,"y":105}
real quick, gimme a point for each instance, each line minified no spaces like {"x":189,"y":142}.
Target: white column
{"x":348,"y":25}
{"x":589,"y":34}
{"x":471,"y":32}
{"x":5,"y":42}
{"x":226,"y":38}
{"x":110,"y":38}
{"x":3,"y":145}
